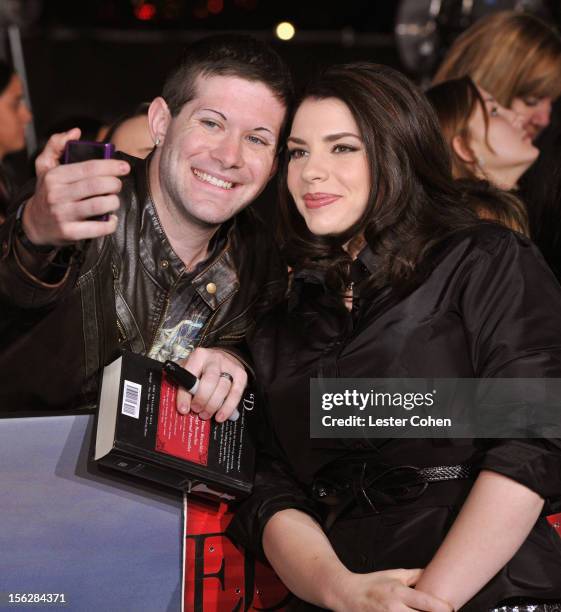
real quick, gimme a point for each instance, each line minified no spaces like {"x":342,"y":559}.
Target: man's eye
{"x":296,"y":153}
{"x":257,"y":140}
{"x":209,"y":123}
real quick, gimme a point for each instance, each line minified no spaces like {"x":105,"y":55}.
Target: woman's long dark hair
{"x":414,"y":202}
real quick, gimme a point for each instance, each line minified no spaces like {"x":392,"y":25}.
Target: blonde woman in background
{"x":516,"y":57}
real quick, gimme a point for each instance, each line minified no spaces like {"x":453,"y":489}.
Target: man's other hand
{"x":67,"y":196}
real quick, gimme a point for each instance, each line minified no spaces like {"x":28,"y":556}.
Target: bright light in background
{"x":145,"y":11}
{"x":285,"y":30}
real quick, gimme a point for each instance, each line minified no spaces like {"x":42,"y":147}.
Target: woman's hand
{"x":305,"y":561}
{"x":387,"y":591}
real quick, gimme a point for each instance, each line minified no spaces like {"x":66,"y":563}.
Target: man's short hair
{"x":234,"y":55}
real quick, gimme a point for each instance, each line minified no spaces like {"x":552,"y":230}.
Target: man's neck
{"x":188,"y":240}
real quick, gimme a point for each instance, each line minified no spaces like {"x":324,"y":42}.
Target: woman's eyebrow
{"x":332,"y":137}
{"x":328,"y":138}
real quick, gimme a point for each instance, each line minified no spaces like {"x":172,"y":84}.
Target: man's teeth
{"x":208,"y":178}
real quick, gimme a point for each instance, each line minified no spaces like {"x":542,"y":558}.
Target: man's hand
{"x":67,"y":196}
{"x":217,"y":394}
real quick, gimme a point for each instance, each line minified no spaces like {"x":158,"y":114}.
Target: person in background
{"x":131,"y":133}
{"x":516,"y":57}
{"x":395,"y":278}
{"x":487,"y":142}
{"x":14,"y":117}
{"x":177,"y":269}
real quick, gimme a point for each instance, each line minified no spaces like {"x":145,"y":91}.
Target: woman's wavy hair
{"x":510,"y":54}
{"x":414,"y":203}
{"x":455,"y":101}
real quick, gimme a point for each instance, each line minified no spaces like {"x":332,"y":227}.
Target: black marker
{"x":181,"y":376}
{"x":188,"y":381}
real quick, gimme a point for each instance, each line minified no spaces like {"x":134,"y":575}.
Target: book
{"x":140,"y":431}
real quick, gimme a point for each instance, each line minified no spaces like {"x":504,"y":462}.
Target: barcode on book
{"x":131,"y":399}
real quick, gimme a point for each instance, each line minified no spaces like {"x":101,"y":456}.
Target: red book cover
{"x":219,"y":577}
{"x":178,"y":435}
{"x":555,"y":521}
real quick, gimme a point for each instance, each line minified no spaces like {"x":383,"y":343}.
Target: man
{"x":178,"y":263}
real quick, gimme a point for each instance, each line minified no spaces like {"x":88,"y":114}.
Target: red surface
{"x":184,"y":436}
{"x":218,"y":576}
{"x":555,"y":521}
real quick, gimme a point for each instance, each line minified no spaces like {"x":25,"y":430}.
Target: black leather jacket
{"x":55,"y":338}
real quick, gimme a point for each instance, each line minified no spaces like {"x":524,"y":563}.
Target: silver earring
{"x":156,"y":142}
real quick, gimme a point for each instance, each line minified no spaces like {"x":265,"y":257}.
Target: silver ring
{"x":227,"y":375}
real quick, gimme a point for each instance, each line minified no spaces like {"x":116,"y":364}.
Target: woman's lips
{"x":317,"y":200}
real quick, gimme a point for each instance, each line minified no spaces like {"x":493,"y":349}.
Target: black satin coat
{"x":486,"y":306}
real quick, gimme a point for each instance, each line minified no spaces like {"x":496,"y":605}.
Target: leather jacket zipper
{"x":120,"y":326}
{"x":160,"y":323}
{"x":121,"y":329}
{"x":207,"y":326}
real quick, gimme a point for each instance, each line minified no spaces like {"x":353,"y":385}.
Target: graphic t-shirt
{"x":183,"y":321}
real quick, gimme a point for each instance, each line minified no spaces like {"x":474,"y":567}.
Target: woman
{"x":14,"y":116}
{"x":514,"y":56}
{"x":433,"y":293}
{"x":486,"y":141}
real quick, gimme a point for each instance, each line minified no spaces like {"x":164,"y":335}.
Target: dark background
{"x":100,"y":58}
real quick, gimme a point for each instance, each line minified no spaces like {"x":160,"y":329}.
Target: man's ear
{"x":462,"y":149}
{"x":159,"y":119}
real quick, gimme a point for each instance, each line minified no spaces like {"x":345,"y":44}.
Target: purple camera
{"x":83,"y":150}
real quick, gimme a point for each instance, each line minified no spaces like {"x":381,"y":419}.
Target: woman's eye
{"x":341,"y":148}
{"x":494,"y":111}
{"x":296,"y":153}
{"x":531,"y":101}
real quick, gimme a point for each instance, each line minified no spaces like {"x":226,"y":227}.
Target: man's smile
{"x":213,"y":180}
